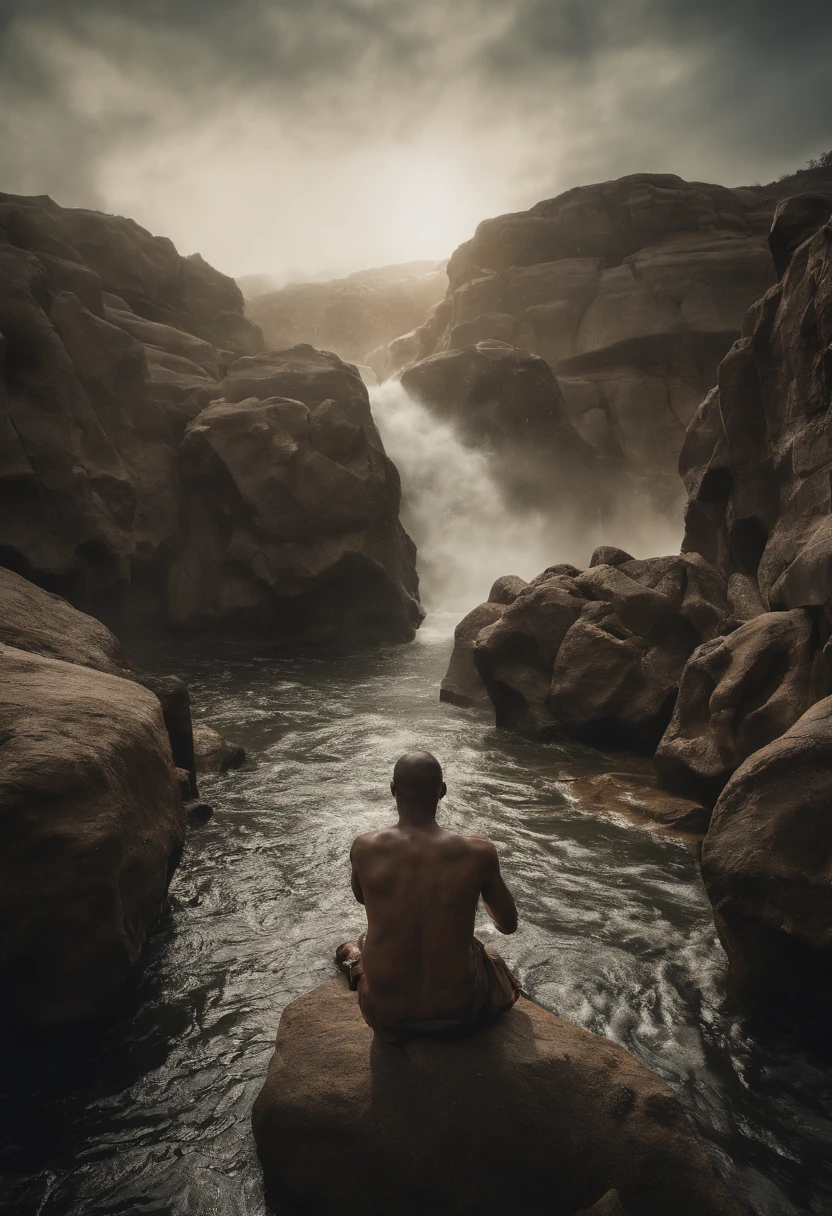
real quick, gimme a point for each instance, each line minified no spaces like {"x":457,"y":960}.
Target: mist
{"x":310,"y":139}
{"x":465,"y":531}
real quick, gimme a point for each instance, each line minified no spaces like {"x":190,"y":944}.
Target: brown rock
{"x":34,"y":620}
{"x":214,"y":754}
{"x":532,"y":1115}
{"x":354,"y":316}
{"x":611,"y":686}
{"x":737,"y":694}
{"x":631,"y":290}
{"x":639,"y":798}
{"x":515,"y":655}
{"x":507,"y":402}
{"x":755,"y":457}
{"x":90,"y":834}
{"x":795,"y":220}
{"x":767,"y":861}
{"x":506,"y":589}
{"x":292,"y":509}
{"x":462,"y":684}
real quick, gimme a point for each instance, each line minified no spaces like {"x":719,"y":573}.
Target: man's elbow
{"x":508,"y":926}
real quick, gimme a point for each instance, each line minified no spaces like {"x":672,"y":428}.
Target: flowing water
{"x":150,"y":1116}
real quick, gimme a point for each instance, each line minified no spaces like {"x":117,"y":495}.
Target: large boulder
{"x":767,"y":865}
{"x":532,"y":1115}
{"x":507,"y":402}
{"x":291,"y":516}
{"x":632,"y":291}
{"x":90,"y":833}
{"x":616,"y":674}
{"x":462,"y":683}
{"x":352,"y":317}
{"x":756,"y":457}
{"x":43,"y":623}
{"x":515,"y":655}
{"x":737,"y":694}
{"x":111,"y":344}
{"x":597,"y":654}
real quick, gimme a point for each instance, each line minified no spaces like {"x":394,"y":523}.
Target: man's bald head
{"x":417,"y":778}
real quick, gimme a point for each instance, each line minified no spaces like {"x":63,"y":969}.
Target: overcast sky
{"x":301,"y":136}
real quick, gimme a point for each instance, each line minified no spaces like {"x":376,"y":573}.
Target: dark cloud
{"x":274,"y":129}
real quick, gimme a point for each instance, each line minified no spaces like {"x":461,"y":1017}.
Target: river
{"x":151,"y":1116}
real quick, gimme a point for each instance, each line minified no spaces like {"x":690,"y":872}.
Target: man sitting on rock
{"x":419,"y":970}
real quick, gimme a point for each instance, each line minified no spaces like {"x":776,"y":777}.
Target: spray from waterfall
{"x":466,"y":533}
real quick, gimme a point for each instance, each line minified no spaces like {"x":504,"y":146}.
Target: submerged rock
{"x":532,"y":1115}
{"x":91,"y":831}
{"x":767,"y":865}
{"x":212,"y":753}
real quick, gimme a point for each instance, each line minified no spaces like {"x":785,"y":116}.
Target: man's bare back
{"x":420,"y":884}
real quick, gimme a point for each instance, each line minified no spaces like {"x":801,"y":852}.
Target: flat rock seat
{"x":533,"y":1116}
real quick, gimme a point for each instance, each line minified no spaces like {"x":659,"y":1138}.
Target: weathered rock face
{"x":291,"y":517}
{"x":90,"y":833}
{"x":106,"y":350}
{"x":110,"y":345}
{"x":532,"y":1115}
{"x":767,"y":864}
{"x":599,"y":654}
{"x":37,"y":621}
{"x":632,"y":290}
{"x":756,"y":456}
{"x":507,"y":402}
{"x":355,"y":317}
{"x":737,"y":694}
{"x":515,"y":656}
{"x":143,"y":271}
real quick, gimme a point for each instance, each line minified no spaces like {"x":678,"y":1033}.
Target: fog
{"x":465,"y":531}
{"x":317,"y":137}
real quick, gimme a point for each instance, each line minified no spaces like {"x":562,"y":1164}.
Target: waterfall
{"x":457,"y":513}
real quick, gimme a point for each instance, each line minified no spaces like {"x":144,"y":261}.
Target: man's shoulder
{"x":370,"y":841}
{"x":479,"y":846}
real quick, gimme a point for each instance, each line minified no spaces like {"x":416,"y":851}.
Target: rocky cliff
{"x":632,"y":290}
{"x":356,"y":317}
{"x":111,"y":344}
{"x":718,"y":660}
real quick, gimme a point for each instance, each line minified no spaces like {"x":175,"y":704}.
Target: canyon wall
{"x":631,"y":290}
{"x":111,"y":347}
{"x":355,"y":317}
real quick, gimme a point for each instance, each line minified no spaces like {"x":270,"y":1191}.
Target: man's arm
{"x":498,"y":900}
{"x":355,"y":882}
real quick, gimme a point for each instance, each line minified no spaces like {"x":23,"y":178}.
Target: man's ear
{"x":443,"y":789}
{"x":393,"y":788}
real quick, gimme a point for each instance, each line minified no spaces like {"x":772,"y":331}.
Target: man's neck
{"x":416,"y":815}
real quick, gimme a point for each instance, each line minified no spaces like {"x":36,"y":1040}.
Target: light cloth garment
{"x":495,"y":991}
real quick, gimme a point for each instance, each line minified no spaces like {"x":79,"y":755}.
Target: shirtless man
{"x":419,"y":969}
